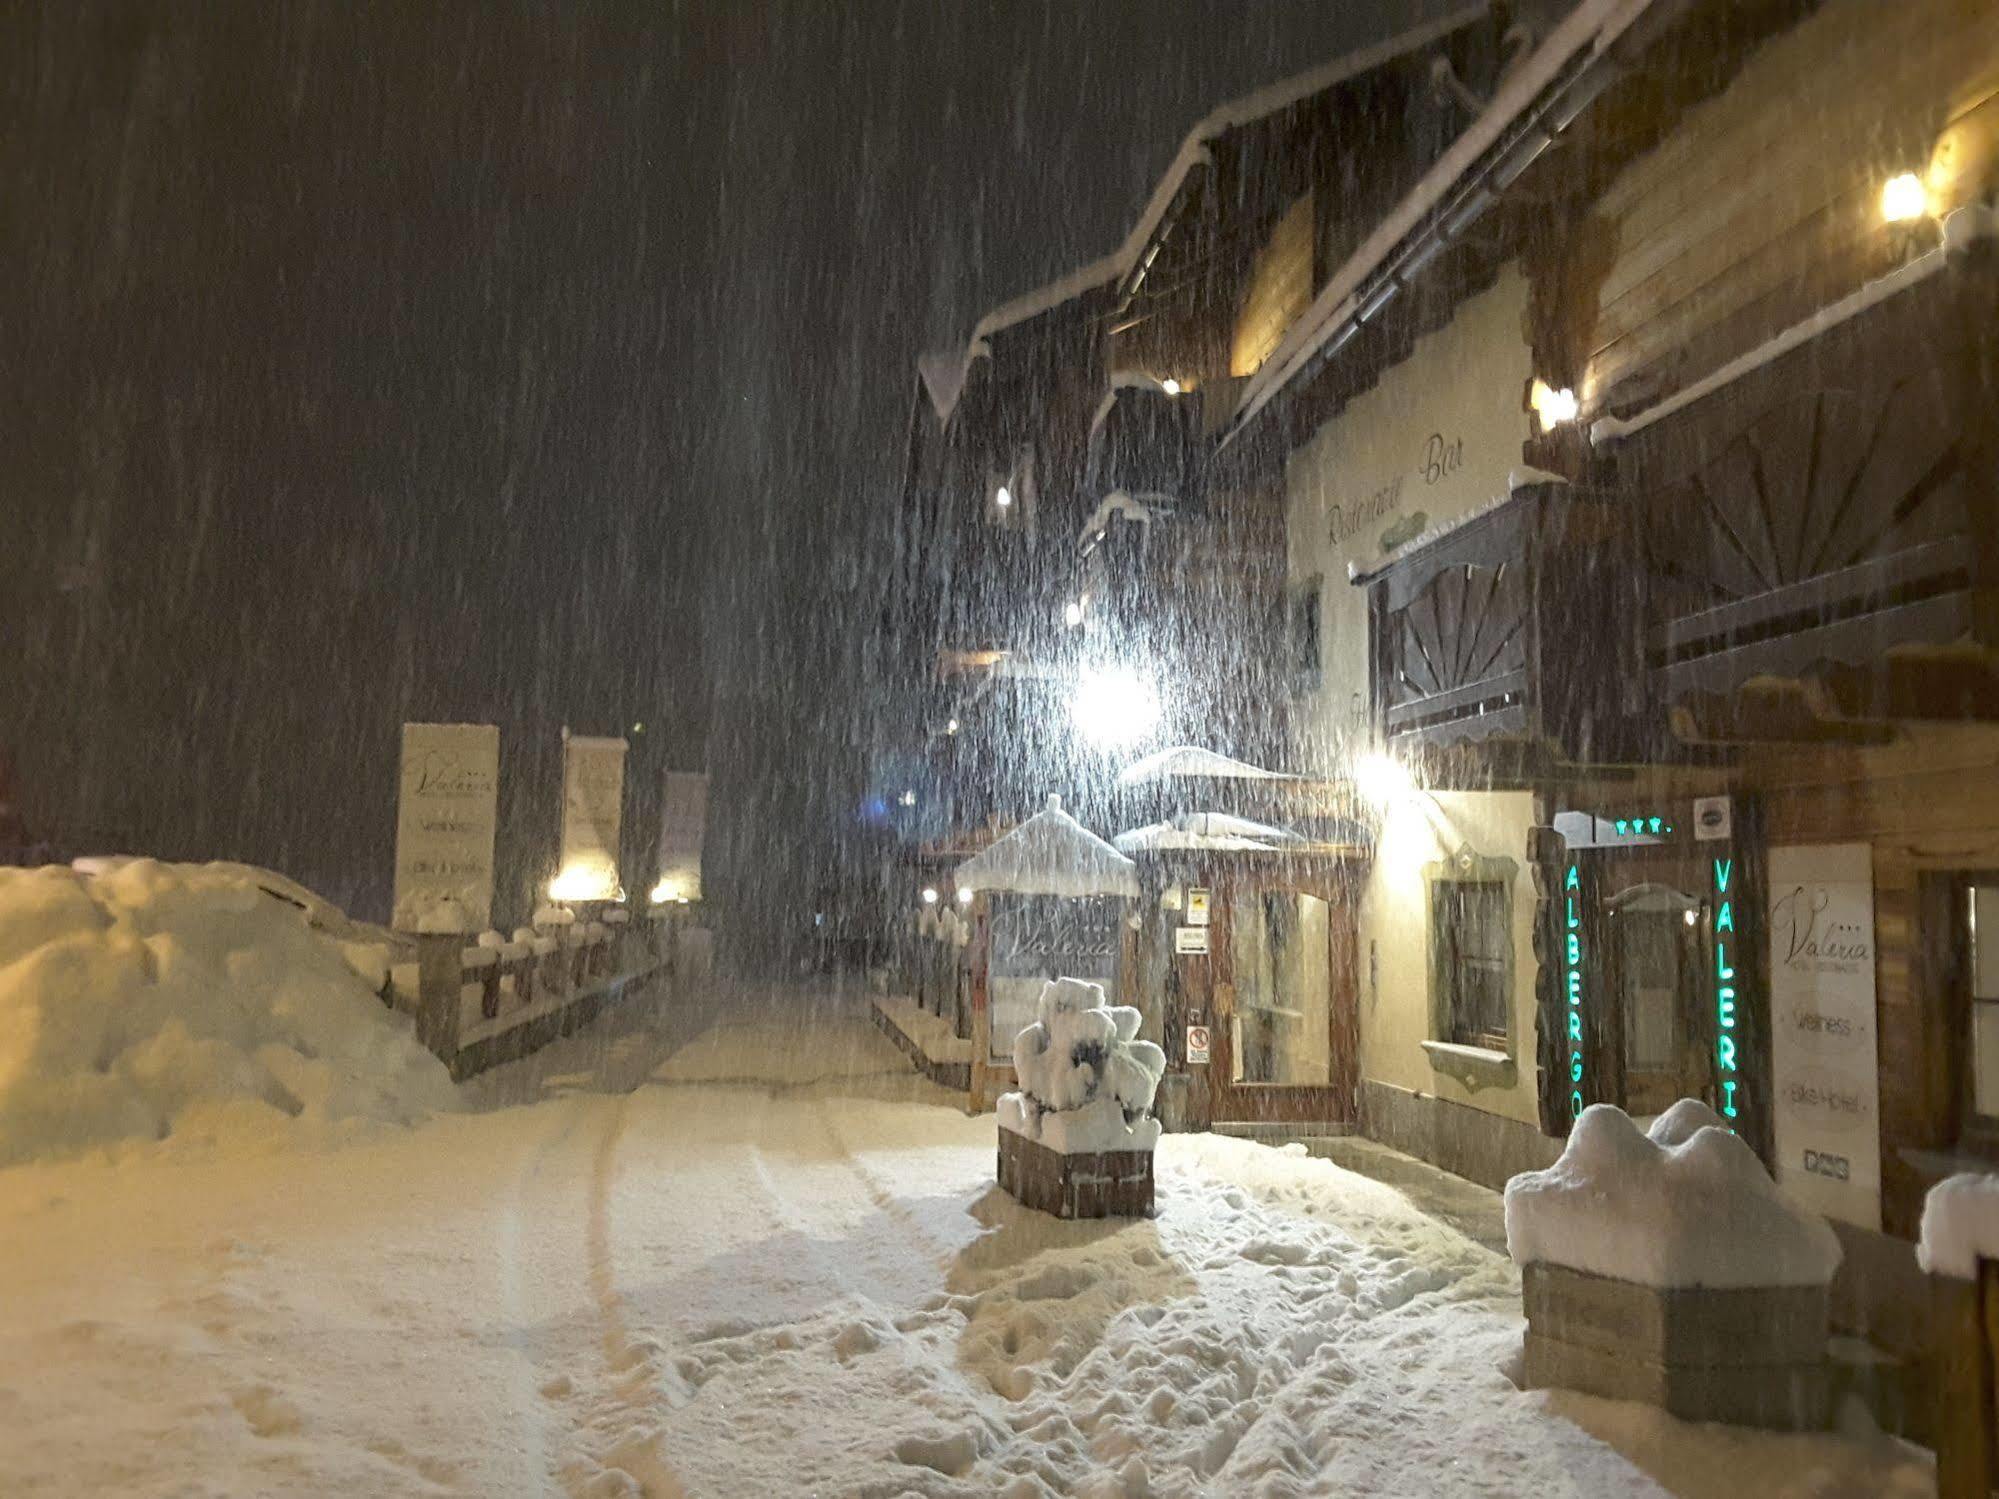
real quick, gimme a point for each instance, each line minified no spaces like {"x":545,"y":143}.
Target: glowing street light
{"x":1382,"y":779}
{"x":929,"y":895}
{"x":1114,"y":707}
{"x":1003,"y":497}
{"x":1553,"y":406}
{"x":1072,"y":613}
{"x":964,"y":895}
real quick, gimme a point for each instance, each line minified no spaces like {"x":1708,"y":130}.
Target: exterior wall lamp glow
{"x":1904,"y":199}
{"x":1383,"y":779}
{"x":1072,"y":613}
{"x":1003,"y":497}
{"x":1114,"y":707}
{"x":964,"y":895}
{"x":1171,"y":386}
{"x":1552,"y":406}
{"x":908,"y":798}
{"x":929,"y":895}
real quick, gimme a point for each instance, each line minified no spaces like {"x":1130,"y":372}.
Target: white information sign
{"x":1197,"y":1043}
{"x":1824,"y":1066}
{"x":683,"y":827}
{"x":445,"y":815}
{"x":1197,"y":905}
{"x":593,"y":795}
{"x":1192,"y":939}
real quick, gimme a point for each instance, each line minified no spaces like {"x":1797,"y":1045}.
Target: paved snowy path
{"x":751,"y":1255}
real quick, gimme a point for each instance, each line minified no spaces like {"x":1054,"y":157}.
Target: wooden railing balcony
{"x":1505,"y":628}
{"x":1828,"y":518}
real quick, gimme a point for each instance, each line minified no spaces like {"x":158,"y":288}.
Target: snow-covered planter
{"x":1665,"y":1267}
{"x":1077,"y":1139}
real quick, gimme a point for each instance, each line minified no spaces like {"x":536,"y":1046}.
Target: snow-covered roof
{"x":1143,"y":509}
{"x":1226,"y":825}
{"x":944,"y":375}
{"x":1195,"y":151}
{"x":1050,"y":854}
{"x":1593,"y":26}
{"x":1185,"y":762}
{"x":1164,"y":837}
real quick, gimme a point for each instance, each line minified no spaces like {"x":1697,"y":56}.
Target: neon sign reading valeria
{"x":1572,"y":981}
{"x":1726,"y":1073}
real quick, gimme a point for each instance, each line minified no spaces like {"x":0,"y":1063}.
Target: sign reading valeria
{"x":1824,"y":1063}
{"x":1727,"y":1063}
{"x":445,"y":816}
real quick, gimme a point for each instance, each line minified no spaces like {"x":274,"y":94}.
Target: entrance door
{"x":1284,"y":1006}
{"x":1654,"y":978}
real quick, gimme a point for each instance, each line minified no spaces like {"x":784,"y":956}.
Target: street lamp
{"x":1113,"y":707}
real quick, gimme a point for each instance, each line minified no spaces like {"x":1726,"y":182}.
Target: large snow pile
{"x":1960,"y":1225}
{"x":137,"y":997}
{"x":1086,"y":1083}
{"x":1686,"y":1205}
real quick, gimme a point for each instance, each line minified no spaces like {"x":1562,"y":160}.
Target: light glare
{"x":1903,"y":199}
{"x":1114,"y":707}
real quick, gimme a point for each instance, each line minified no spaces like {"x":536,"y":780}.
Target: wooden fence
{"x":476,"y":1007}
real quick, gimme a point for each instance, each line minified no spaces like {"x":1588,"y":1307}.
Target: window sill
{"x":1474,"y":1066}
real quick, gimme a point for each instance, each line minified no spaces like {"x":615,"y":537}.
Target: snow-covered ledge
{"x":1666,"y":1267}
{"x":1474,"y":1066}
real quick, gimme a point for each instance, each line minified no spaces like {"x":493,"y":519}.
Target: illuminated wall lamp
{"x":1072,"y":613}
{"x":929,"y":895}
{"x":1904,"y":199}
{"x":1171,"y":386}
{"x":1003,"y":497}
{"x":964,"y":895}
{"x":1552,"y":406}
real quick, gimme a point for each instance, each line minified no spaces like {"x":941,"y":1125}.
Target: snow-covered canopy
{"x":1686,"y":1204}
{"x":1050,"y":854}
{"x":1164,"y":837}
{"x":1185,"y":763}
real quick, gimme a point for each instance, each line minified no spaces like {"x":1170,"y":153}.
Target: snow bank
{"x":1686,"y":1205}
{"x":1085,"y":1083}
{"x":136,"y":995}
{"x":1960,"y":1225}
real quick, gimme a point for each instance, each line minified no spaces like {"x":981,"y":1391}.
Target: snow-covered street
{"x":744,"y":1251}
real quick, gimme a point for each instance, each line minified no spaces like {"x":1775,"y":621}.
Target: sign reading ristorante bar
{"x":445,"y":815}
{"x":1824,"y":1062}
{"x":1430,"y":442}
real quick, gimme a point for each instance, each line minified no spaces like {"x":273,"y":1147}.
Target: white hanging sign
{"x":445,"y":816}
{"x":683,"y":825}
{"x":1824,"y":1062}
{"x":593,"y":794}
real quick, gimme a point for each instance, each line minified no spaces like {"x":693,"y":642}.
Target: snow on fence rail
{"x":501,"y":998}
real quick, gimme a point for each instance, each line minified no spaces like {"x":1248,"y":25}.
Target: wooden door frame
{"x":1335,"y":1100}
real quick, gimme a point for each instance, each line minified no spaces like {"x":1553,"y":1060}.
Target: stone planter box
{"x":1748,"y":1357}
{"x":1107,"y":1184}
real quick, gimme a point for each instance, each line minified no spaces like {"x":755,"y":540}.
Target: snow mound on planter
{"x":1960,"y":1225}
{"x":1688,"y":1204}
{"x":1086,"y":1083}
{"x":138,"y":997}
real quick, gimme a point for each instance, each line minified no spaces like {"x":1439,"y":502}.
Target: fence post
{"x":1965,"y":1323}
{"x":440,"y":976}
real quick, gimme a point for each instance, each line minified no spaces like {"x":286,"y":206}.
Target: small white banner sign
{"x":1824,"y":1064}
{"x":1197,"y":1043}
{"x":683,"y":826}
{"x":593,"y":797}
{"x":445,"y":816}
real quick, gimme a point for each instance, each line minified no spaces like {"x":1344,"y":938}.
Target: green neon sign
{"x":1572,"y":981}
{"x":1727,"y":1074}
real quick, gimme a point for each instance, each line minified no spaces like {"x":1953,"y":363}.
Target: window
{"x":1982,"y":917}
{"x":1304,"y":632}
{"x":1471,"y":944}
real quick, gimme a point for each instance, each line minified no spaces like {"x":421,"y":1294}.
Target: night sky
{"x":520,"y":364}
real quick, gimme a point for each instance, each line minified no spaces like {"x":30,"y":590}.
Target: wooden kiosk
{"x":1049,"y":900}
